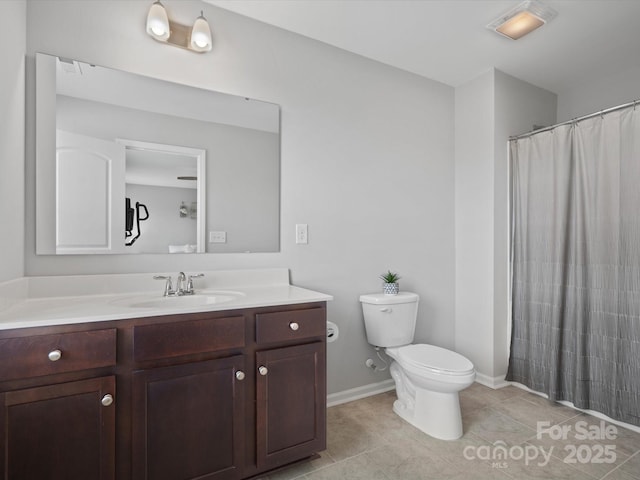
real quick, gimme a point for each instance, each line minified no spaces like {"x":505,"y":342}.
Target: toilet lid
{"x":436,"y":359}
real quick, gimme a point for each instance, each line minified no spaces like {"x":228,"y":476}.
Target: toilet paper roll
{"x":332,"y":332}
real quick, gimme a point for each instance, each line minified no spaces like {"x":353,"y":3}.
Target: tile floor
{"x":366,"y":440}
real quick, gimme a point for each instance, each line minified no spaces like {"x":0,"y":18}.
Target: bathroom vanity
{"x":216,"y":391}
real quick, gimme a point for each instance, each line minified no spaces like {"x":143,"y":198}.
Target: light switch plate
{"x":302,"y":234}
{"x":217,"y":237}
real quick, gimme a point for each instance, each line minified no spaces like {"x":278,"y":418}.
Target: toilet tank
{"x":390,"y":320}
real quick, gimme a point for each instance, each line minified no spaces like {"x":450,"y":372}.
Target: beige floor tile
{"x":474,"y":401}
{"x":530,"y":413}
{"x":456,"y":451}
{"x":301,"y":469}
{"x":366,"y":440}
{"x":620,"y":475}
{"x":439,"y":470}
{"x":479,"y":396}
{"x":626,"y":441}
{"x":595,"y":461}
{"x":553,"y":470}
{"x":556,"y":407}
{"x":632,"y":466}
{"x":590,"y":455}
{"x":493,"y":426}
{"x":501,"y":394}
{"x":472,"y":417}
{"x":355,"y":468}
{"x":349,"y":437}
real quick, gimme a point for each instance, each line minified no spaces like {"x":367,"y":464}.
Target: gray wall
{"x":489,"y":109}
{"x":474,"y":216}
{"x":591,"y":95}
{"x":367,"y":160}
{"x":12,"y":95}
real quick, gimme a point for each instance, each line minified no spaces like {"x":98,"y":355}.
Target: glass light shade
{"x":523,"y":19}
{"x":158,"y":22}
{"x":520,"y":25}
{"x":201,"y":35}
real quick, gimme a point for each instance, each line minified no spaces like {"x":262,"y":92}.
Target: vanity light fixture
{"x":523,"y":19}
{"x":196,"y":38}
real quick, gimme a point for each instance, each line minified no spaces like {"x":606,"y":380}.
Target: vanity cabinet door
{"x":64,"y":431}
{"x":187,"y":421}
{"x":291,"y":404}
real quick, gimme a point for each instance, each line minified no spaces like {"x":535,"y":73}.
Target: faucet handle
{"x":168,"y":286}
{"x":190,"y":282}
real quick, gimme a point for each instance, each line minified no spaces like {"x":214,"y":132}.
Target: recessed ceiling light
{"x":522,"y":19}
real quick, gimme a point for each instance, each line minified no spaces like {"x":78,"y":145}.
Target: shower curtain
{"x":575,"y":260}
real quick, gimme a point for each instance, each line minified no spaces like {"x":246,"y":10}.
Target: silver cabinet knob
{"x":263,"y":370}
{"x":294,"y":326}
{"x":55,"y":355}
{"x":107,"y":400}
{"x":240,"y":375}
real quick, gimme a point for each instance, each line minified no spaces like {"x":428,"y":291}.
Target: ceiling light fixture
{"x":523,"y":19}
{"x":196,"y":38}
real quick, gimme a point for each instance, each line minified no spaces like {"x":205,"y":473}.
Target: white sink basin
{"x":184,"y":301}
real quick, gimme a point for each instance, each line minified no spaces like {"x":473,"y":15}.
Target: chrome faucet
{"x":182,"y":278}
{"x":184,"y":284}
{"x":168,"y":287}
{"x":190,"y":290}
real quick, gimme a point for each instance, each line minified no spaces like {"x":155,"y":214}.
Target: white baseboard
{"x":491,"y":382}
{"x":357,"y":393}
{"x":364,"y":391}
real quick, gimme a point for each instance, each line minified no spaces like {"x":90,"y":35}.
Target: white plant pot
{"x":390,"y":288}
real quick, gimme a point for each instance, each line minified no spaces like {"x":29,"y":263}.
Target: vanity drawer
{"x":291,"y":325}
{"x":166,"y":340}
{"x":38,"y":355}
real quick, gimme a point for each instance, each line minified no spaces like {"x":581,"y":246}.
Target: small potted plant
{"x":390,"y":286}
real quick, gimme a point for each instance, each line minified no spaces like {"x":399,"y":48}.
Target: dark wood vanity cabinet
{"x":207,"y":396}
{"x":53,"y":422}
{"x":59,"y":431}
{"x":188,"y":418}
{"x":290,"y":406}
{"x":290,"y":386}
{"x":188,"y":421}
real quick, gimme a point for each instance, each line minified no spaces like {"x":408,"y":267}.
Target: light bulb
{"x":201,"y":35}
{"x":158,"y":22}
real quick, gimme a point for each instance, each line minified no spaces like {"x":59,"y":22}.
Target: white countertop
{"x":40,"y":301}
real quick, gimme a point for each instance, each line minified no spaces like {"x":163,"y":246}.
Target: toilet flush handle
{"x":386,"y":310}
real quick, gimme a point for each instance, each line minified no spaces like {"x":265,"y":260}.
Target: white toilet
{"x":428,"y":378}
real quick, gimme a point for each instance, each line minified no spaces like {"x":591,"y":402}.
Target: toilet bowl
{"x":428,"y":378}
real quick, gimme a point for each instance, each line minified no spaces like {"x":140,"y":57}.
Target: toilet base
{"x":438,"y":423}
{"x":435,"y":413}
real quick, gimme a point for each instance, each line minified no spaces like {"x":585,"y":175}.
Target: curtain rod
{"x":576,"y":120}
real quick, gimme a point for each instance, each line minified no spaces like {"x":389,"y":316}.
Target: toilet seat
{"x":434,"y":359}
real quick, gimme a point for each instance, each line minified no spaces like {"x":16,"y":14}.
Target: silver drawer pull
{"x":294,"y":326}
{"x":240,"y":375}
{"x":263,"y":370}
{"x":107,"y":400}
{"x":55,"y":355}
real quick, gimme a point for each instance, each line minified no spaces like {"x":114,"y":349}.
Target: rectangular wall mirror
{"x":132,"y":164}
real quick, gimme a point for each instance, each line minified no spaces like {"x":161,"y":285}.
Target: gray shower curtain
{"x":575,"y":259}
